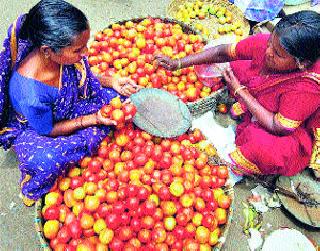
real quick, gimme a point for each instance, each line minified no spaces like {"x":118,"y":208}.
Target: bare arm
{"x":263,"y":116}
{"x":218,"y":54}
{"x":67,"y":127}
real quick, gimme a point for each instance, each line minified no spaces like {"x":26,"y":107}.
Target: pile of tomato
{"x":140,"y":193}
{"x":128,"y":50}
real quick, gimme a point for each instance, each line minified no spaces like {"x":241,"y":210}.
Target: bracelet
{"x":241,"y":87}
{"x":78,"y":123}
{"x":96,"y":117}
{"x":179,"y":64}
{"x":81,"y":122}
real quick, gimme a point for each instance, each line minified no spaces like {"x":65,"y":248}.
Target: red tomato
{"x":51,"y":213}
{"x":144,"y":235}
{"x":94,"y":165}
{"x":125,"y":233}
{"x":113,"y":221}
{"x":129,"y":109}
{"x":143,"y":193}
{"x":140,"y":159}
{"x":222,"y":172}
{"x":64,"y":234}
{"x":75,"y":229}
{"x":116,"y":244}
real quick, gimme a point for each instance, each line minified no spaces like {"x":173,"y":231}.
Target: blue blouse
{"x":34,"y":100}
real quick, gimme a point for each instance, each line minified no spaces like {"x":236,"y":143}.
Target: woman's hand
{"x":166,"y":62}
{"x":125,"y":86}
{"x":100,"y":120}
{"x":232,"y":82}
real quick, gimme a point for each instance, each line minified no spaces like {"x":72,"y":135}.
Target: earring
{"x":301,"y":67}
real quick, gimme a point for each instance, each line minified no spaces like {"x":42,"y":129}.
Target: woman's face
{"x":277,"y":58}
{"x":74,"y":52}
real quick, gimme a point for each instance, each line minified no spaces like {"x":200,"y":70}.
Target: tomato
{"x":75,"y":229}
{"x":143,"y":193}
{"x":179,"y":232}
{"x":149,"y":207}
{"x":165,"y":161}
{"x":135,"y":224}
{"x":132,"y":203}
{"x":129,"y":109}
{"x":164,"y":193}
{"x":50,"y":229}
{"x":147,"y":222}
{"x":63,"y":235}
{"x":221,"y":215}
{"x":144,"y":235}
{"x":159,"y":235}
{"x":113,"y":221}
{"x":51,"y":213}
{"x":116,"y":244}
{"x":140,"y":159}
{"x":224,"y":201}
{"x":222,"y":172}
{"x":222,"y":108}
{"x":125,"y":233}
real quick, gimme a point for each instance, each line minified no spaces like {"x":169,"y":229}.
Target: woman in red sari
{"x":276,"y":79}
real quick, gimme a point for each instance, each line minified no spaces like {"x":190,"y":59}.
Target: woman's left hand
{"x":125,"y":86}
{"x":232,"y":82}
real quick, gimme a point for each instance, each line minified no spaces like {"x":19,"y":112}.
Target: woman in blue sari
{"x":49,"y":98}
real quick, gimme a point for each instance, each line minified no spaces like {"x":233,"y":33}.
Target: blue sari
{"x":42,"y":159}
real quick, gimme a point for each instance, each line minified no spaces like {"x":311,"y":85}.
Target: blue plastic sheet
{"x":261,"y":10}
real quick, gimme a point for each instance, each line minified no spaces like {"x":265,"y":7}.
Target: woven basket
{"x":212,"y":23}
{"x":38,"y":222}
{"x":44,"y":243}
{"x":206,"y":104}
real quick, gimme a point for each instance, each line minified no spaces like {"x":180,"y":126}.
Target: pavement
{"x":17,"y":231}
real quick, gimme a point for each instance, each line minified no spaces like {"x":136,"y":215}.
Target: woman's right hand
{"x":101,"y":120}
{"x":166,"y":62}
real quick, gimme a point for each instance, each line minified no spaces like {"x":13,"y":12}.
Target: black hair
{"x":54,"y":23}
{"x":299,"y":34}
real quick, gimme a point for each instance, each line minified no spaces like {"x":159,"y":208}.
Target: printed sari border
{"x":243,"y":164}
{"x":288,"y":123}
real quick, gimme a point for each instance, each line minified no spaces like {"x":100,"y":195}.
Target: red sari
{"x":294,"y":98}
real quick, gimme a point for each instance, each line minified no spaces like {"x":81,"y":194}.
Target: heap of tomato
{"x":129,"y":49}
{"x":118,"y":112}
{"x":139,"y":193}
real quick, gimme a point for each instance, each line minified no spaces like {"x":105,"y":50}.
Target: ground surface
{"x":17,"y":230}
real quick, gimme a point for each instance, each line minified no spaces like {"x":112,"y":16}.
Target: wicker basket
{"x":44,"y":243}
{"x":212,"y":23}
{"x":38,"y":222}
{"x":203,"y":105}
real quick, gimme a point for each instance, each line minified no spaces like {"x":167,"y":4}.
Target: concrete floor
{"x":17,"y":230}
